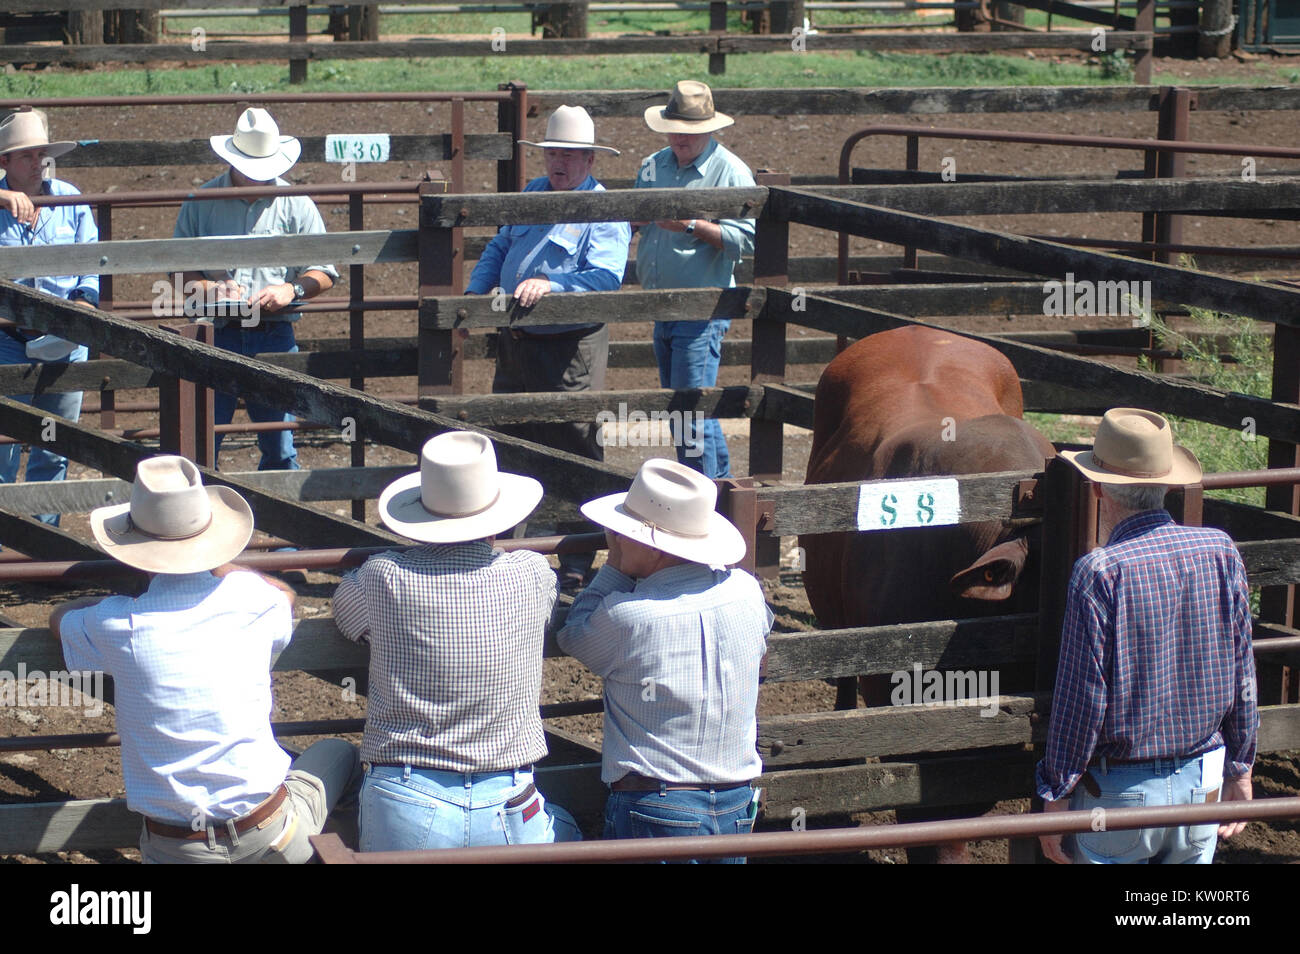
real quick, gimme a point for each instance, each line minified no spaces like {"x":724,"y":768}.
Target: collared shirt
{"x":679,"y":259}
{"x":279,"y":215}
{"x":191,"y":659}
{"x":57,"y":225}
{"x":679,"y":652}
{"x":1156,"y":656}
{"x":455,"y":637}
{"x":576,"y":256}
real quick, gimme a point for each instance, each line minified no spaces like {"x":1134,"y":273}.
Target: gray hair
{"x":1137,"y":497}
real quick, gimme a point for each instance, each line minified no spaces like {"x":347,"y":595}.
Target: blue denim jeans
{"x":42,"y":464}
{"x":670,"y":813}
{"x":414,"y":809}
{"x":689,"y":353}
{"x":1139,"y":784}
{"x":277,"y":448}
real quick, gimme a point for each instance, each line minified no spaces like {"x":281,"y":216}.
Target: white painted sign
{"x":356,"y":147}
{"x":932,"y":502}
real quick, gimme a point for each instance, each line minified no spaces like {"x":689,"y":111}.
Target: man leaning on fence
{"x":191,"y":659}
{"x":260,"y":302}
{"x":1155,"y":688}
{"x":26,"y":160}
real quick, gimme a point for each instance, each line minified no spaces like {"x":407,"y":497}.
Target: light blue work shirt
{"x":279,"y":215}
{"x":191,"y":659}
{"x":575,"y":256}
{"x":56,"y":225}
{"x":679,"y":259}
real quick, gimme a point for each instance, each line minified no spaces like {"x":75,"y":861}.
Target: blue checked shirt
{"x":455,"y":634}
{"x":577,"y":256}
{"x":57,"y":225}
{"x":679,"y":652}
{"x":678,"y":259}
{"x":191,"y":659}
{"x":1156,"y":656}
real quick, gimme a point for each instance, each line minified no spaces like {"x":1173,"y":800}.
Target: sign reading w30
{"x":357,"y":147}
{"x":908,"y":503}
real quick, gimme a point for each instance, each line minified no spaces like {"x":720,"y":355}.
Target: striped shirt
{"x":679,"y":652}
{"x":1156,"y":656}
{"x":455,"y":635}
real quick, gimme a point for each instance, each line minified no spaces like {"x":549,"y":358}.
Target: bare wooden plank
{"x":491,"y":311}
{"x":956,"y":42}
{"x":1271,"y":562}
{"x":142,"y":256}
{"x":785,"y":404}
{"x":989,"y":642}
{"x":1256,"y":300}
{"x":26,"y":534}
{"x":1243,"y":522}
{"x":831,"y":508}
{"x":613,"y":205}
{"x":402,"y":148}
{"x":494,"y":410}
{"x":86,"y":825}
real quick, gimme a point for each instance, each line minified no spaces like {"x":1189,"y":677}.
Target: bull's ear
{"x":993,"y":576}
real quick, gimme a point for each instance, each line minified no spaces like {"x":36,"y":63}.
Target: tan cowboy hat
{"x":257,"y":149}
{"x":1134,"y":446}
{"x":689,"y":110}
{"x":672,"y":508}
{"x":26,"y":128}
{"x":173,"y":523}
{"x":458,"y":494}
{"x":570,"y":127}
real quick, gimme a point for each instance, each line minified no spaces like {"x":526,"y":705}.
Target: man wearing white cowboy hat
{"x":191,"y":659}
{"x":258,"y":156}
{"x":455,"y":631}
{"x":26,"y":160}
{"x":678,"y":640}
{"x":692,"y":253}
{"x":1155,"y":687}
{"x":529,"y":261}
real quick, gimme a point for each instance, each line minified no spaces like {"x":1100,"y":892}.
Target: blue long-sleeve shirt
{"x":574,"y":256}
{"x":57,"y":225}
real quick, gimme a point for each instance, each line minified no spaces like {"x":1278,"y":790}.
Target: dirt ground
{"x":801,"y":144}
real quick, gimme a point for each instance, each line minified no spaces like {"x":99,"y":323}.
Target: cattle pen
{"x":814,"y":762}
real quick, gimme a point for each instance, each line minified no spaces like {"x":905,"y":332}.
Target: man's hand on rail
{"x":1052,"y":846}
{"x":1235,"y":790}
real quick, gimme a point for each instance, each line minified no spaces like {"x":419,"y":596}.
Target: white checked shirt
{"x":455,"y":637}
{"x":191,"y":659}
{"x":679,"y":652}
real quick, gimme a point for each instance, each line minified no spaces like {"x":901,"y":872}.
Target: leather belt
{"x":523,"y":333}
{"x":253,"y":819}
{"x":632,"y":782}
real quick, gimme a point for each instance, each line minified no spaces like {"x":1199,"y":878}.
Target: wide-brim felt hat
{"x":173,"y":523}
{"x":26,"y":129}
{"x":1135,"y":446}
{"x":256,"y":148}
{"x":458,"y":494}
{"x":570,"y":127}
{"x":689,"y":111}
{"x":671,"y":507}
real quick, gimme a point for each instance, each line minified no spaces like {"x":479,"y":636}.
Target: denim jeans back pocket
{"x":645,"y":825}
{"x":1100,"y":842}
{"x":394,"y":818}
{"x":528,"y":824}
{"x":1202,"y":836}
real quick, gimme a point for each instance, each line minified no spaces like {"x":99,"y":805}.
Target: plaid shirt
{"x":1156,"y":657}
{"x":455,"y":637}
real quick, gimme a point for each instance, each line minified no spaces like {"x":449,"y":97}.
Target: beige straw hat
{"x":1134,"y":446}
{"x":570,"y":127}
{"x":257,"y":149}
{"x":173,"y":523}
{"x":689,"y":110}
{"x":26,"y":128}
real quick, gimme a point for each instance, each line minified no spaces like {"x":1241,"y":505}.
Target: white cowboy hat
{"x":689,"y":110}
{"x":1134,"y":446}
{"x":257,"y":149}
{"x":458,"y":494}
{"x":26,"y":128}
{"x":570,"y":127}
{"x":173,"y":523}
{"x":672,"y":508}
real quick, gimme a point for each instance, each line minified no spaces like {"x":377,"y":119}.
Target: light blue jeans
{"x":670,"y":813}
{"x":414,"y":809}
{"x":42,"y":464}
{"x":277,"y":448}
{"x":688,"y":353}
{"x":1139,"y":784}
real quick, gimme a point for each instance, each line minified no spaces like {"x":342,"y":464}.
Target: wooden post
{"x":512,"y":114}
{"x":1145,"y":22}
{"x":180,"y":403}
{"x":786,"y":15}
{"x":563,"y":20}
{"x":767,"y":364}
{"x":86,"y":27}
{"x":1277,"y":603}
{"x":363,"y":22}
{"x":1175,"y":121}
{"x":107,"y":396}
{"x":357,"y":336}
{"x":298,"y":34}
{"x":1215,"y":37}
{"x":718,"y":25}
{"x":441,"y":257}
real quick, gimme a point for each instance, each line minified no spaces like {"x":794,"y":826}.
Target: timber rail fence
{"x":812,"y":761}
